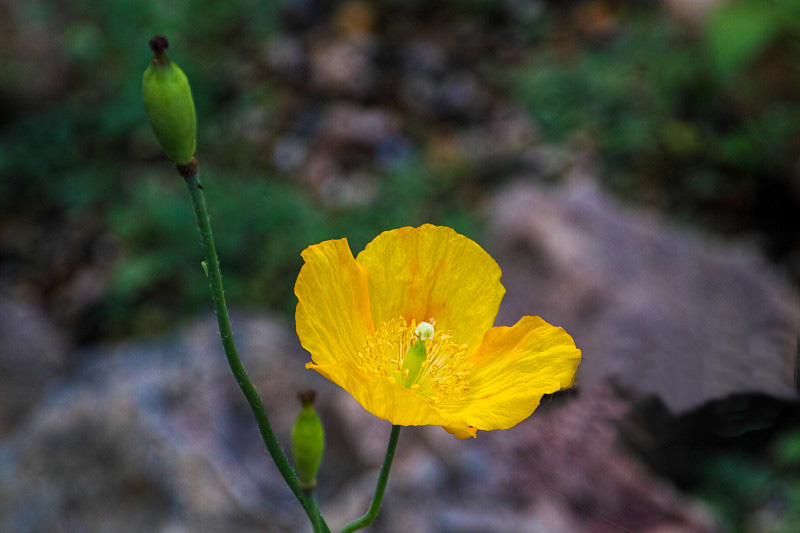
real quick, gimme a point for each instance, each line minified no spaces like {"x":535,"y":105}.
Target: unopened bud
{"x":308,"y":442}
{"x":169,"y":105}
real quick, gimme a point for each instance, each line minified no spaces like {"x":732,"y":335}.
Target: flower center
{"x":419,"y":357}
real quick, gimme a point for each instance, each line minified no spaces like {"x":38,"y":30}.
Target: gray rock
{"x":345,"y":125}
{"x":152,"y":436}
{"x":343,"y":67}
{"x":571,"y":458}
{"x":156,"y":436}
{"x":32,"y":354}
{"x":658,"y":308}
{"x":286,"y":57}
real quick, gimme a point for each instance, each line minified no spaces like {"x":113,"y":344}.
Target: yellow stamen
{"x":441,"y":374}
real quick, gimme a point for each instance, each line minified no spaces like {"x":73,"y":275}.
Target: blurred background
{"x":634,"y":166}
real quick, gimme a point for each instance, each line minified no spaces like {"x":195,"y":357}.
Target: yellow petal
{"x":333,"y":316}
{"x":463,"y":432}
{"x":384,"y":398}
{"x":433,"y":272}
{"x":513,"y":368}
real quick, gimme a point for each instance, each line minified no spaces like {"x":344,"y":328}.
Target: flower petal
{"x":513,"y":368}
{"x":386,"y":399}
{"x":333,"y":316}
{"x":463,"y":432}
{"x":433,"y":272}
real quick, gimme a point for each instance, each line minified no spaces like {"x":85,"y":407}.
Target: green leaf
{"x":739,"y":32}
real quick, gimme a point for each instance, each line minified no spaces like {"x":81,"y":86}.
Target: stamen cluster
{"x":445,"y":372}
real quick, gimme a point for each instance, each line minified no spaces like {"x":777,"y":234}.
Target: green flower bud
{"x":169,"y":104}
{"x":308,"y":441}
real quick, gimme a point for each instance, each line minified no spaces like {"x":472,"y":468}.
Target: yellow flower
{"x":406,"y":328}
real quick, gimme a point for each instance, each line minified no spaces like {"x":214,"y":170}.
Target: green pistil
{"x":412,"y":363}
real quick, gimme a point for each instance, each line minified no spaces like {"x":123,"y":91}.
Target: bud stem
{"x":192,"y":178}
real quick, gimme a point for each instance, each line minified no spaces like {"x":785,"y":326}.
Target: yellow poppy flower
{"x":406,"y":328}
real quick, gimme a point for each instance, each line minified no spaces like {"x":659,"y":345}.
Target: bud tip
{"x":307,"y":396}
{"x":158,"y":44}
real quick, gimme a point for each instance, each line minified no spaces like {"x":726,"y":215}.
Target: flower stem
{"x":383,"y":477}
{"x":191,"y":175}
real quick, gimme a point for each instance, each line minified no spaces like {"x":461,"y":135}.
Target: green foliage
{"x":752,"y":494}
{"x":84,"y":152}
{"x":735,"y":486}
{"x":667,"y":127}
{"x":741,"y":30}
{"x":86,"y":129}
{"x":787,"y":451}
{"x":260,"y":226}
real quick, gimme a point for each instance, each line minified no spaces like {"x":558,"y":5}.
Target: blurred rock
{"x":546,"y":161}
{"x":337,"y":161}
{"x":289,"y":153}
{"x":572,"y":456}
{"x":153,"y":436}
{"x":456,"y":95}
{"x":319,"y":170}
{"x":349,"y":126}
{"x":417,"y":92}
{"x":64,"y":262}
{"x":285,"y":56}
{"x":564,"y":470}
{"x":156,"y":436}
{"x":32,"y":354}
{"x":506,"y":134}
{"x":693,"y":12}
{"x":355,"y":189}
{"x":657,"y":308}
{"x":343,"y":67}
{"x":336,"y":188}
{"x":355,"y":18}
{"x":35,"y":58}
{"x":461,"y":95}
{"x":504,"y":143}
{"x":423,"y":56}
{"x":598,"y":19}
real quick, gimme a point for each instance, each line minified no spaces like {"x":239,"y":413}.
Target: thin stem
{"x":383,"y":477}
{"x":218,"y":295}
{"x":316,"y":520}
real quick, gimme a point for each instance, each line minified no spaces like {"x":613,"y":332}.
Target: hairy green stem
{"x":191,"y":175}
{"x":383,"y":477}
